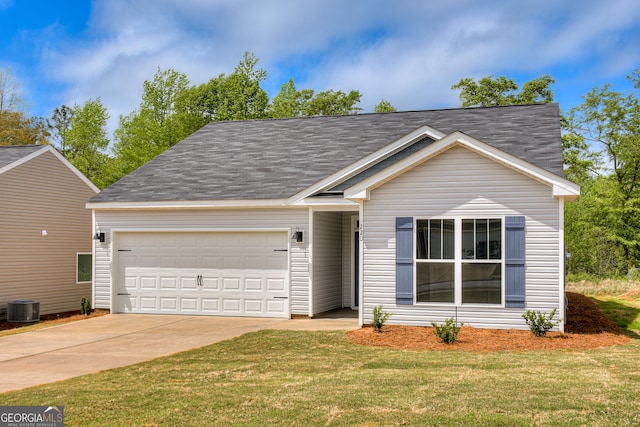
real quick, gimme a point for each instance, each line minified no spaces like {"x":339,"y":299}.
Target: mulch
{"x":586,"y":327}
{"x":68,"y":316}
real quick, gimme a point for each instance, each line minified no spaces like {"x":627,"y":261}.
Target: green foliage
{"x":156,"y":126}
{"x":540,"y":323}
{"x":603,"y":226}
{"x":82,"y":137}
{"x":85,"y":306}
{"x":490,"y":91}
{"x":447,"y":332}
{"x":291,"y":102}
{"x":379,"y":318}
{"x":384,"y":106}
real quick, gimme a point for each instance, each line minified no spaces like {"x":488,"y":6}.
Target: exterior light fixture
{"x":99,"y":236}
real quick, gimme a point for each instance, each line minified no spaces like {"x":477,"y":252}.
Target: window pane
{"x":448,"y":235}
{"x":434,"y":282}
{"x":495,"y":239}
{"x":422,"y":239}
{"x":468,"y":239}
{"x":83,"y":262}
{"x":482,"y":239}
{"x":435,"y":241}
{"x":482,"y":283}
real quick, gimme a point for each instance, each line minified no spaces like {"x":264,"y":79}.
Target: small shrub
{"x":540,"y":323}
{"x":379,"y":318}
{"x":448,"y":332}
{"x":85,"y":306}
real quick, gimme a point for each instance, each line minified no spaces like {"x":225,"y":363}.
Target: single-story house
{"x":45,"y":229}
{"x":429,"y":214}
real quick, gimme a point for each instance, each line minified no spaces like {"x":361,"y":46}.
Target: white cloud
{"x":408,"y":52}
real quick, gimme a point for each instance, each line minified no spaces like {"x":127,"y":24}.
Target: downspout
{"x":361,"y":264}
{"x":310,"y":261}
{"x":561,"y":261}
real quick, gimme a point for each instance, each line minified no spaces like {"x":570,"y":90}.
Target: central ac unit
{"x":23,"y":311}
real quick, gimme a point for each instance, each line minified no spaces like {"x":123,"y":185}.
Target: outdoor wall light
{"x":298,"y":236}
{"x":99,"y":236}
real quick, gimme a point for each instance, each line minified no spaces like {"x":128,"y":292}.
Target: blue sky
{"x":409,"y":52}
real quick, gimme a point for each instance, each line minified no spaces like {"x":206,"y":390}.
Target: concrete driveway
{"x":115,"y":340}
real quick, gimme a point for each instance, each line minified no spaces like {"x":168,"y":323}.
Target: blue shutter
{"x":404,"y":260}
{"x":514,"y":261}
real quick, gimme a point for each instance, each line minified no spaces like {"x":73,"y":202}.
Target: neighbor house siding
{"x":461,"y":183}
{"x":205,"y":219}
{"x":43,"y":194}
{"x":327,"y":261}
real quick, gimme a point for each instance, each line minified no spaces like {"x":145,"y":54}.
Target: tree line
{"x":600,"y":139}
{"x":171,"y":109}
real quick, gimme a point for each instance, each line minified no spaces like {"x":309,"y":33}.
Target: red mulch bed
{"x":586,"y":327}
{"x":69,"y":316}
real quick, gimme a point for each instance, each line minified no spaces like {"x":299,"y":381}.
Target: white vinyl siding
{"x":205,"y":220}
{"x":43,"y":195}
{"x":461,"y":183}
{"x":327,"y":261}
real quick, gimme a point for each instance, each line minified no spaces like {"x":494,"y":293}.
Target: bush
{"x":85,"y":306}
{"x":379,"y":318}
{"x":539,"y":323}
{"x":448,"y":332}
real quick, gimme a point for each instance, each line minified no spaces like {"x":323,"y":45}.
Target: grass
{"x":293,"y":378}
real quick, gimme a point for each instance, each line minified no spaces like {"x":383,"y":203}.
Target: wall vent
{"x":23,"y":311}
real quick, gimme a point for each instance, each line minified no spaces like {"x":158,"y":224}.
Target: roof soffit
{"x":561,"y":187}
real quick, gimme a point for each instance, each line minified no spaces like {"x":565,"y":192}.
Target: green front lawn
{"x":291,"y":378}
{"x":278,"y":378}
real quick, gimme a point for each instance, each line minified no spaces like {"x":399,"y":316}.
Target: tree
{"x":490,"y":91}
{"x":237,"y":96}
{"x":11,"y":98}
{"x":18,"y":129}
{"x":291,"y":102}
{"x":331,"y":103}
{"x":384,"y":106}
{"x":82,"y":137}
{"x":157,"y":125}
{"x":609,"y":121}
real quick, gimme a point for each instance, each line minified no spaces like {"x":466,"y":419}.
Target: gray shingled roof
{"x":13,"y":153}
{"x":275,"y":159}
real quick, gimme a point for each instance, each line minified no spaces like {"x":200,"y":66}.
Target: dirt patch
{"x":586,"y":327}
{"x":53,"y":319}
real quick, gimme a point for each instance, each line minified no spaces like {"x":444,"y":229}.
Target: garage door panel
{"x":148,"y":303}
{"x":168,"y":283}
{"x":188,"y":304}
{"x":168,"y":303}
{"x":204,"y":273}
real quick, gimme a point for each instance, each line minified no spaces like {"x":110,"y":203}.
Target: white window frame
{"x":458,"y":261}
{"x":78,"y":282}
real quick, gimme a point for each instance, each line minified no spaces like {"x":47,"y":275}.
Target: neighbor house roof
{"x":13,"y":153}
{"x":13,"y":156}
{"x":279,"y":158}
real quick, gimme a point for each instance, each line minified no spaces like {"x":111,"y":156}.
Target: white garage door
{"x":231,"y":274}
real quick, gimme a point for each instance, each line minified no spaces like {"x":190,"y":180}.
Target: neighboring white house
{"x":430,"y":214}
{"x":45,"y":229}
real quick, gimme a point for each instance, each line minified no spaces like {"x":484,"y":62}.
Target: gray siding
{"x":43,"y":194}
{"x":220,"y":219}
{"x":327,"y":261}
{"x":462,"y":183}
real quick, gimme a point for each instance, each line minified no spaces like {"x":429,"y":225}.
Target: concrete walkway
{"x":78,"y":348}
